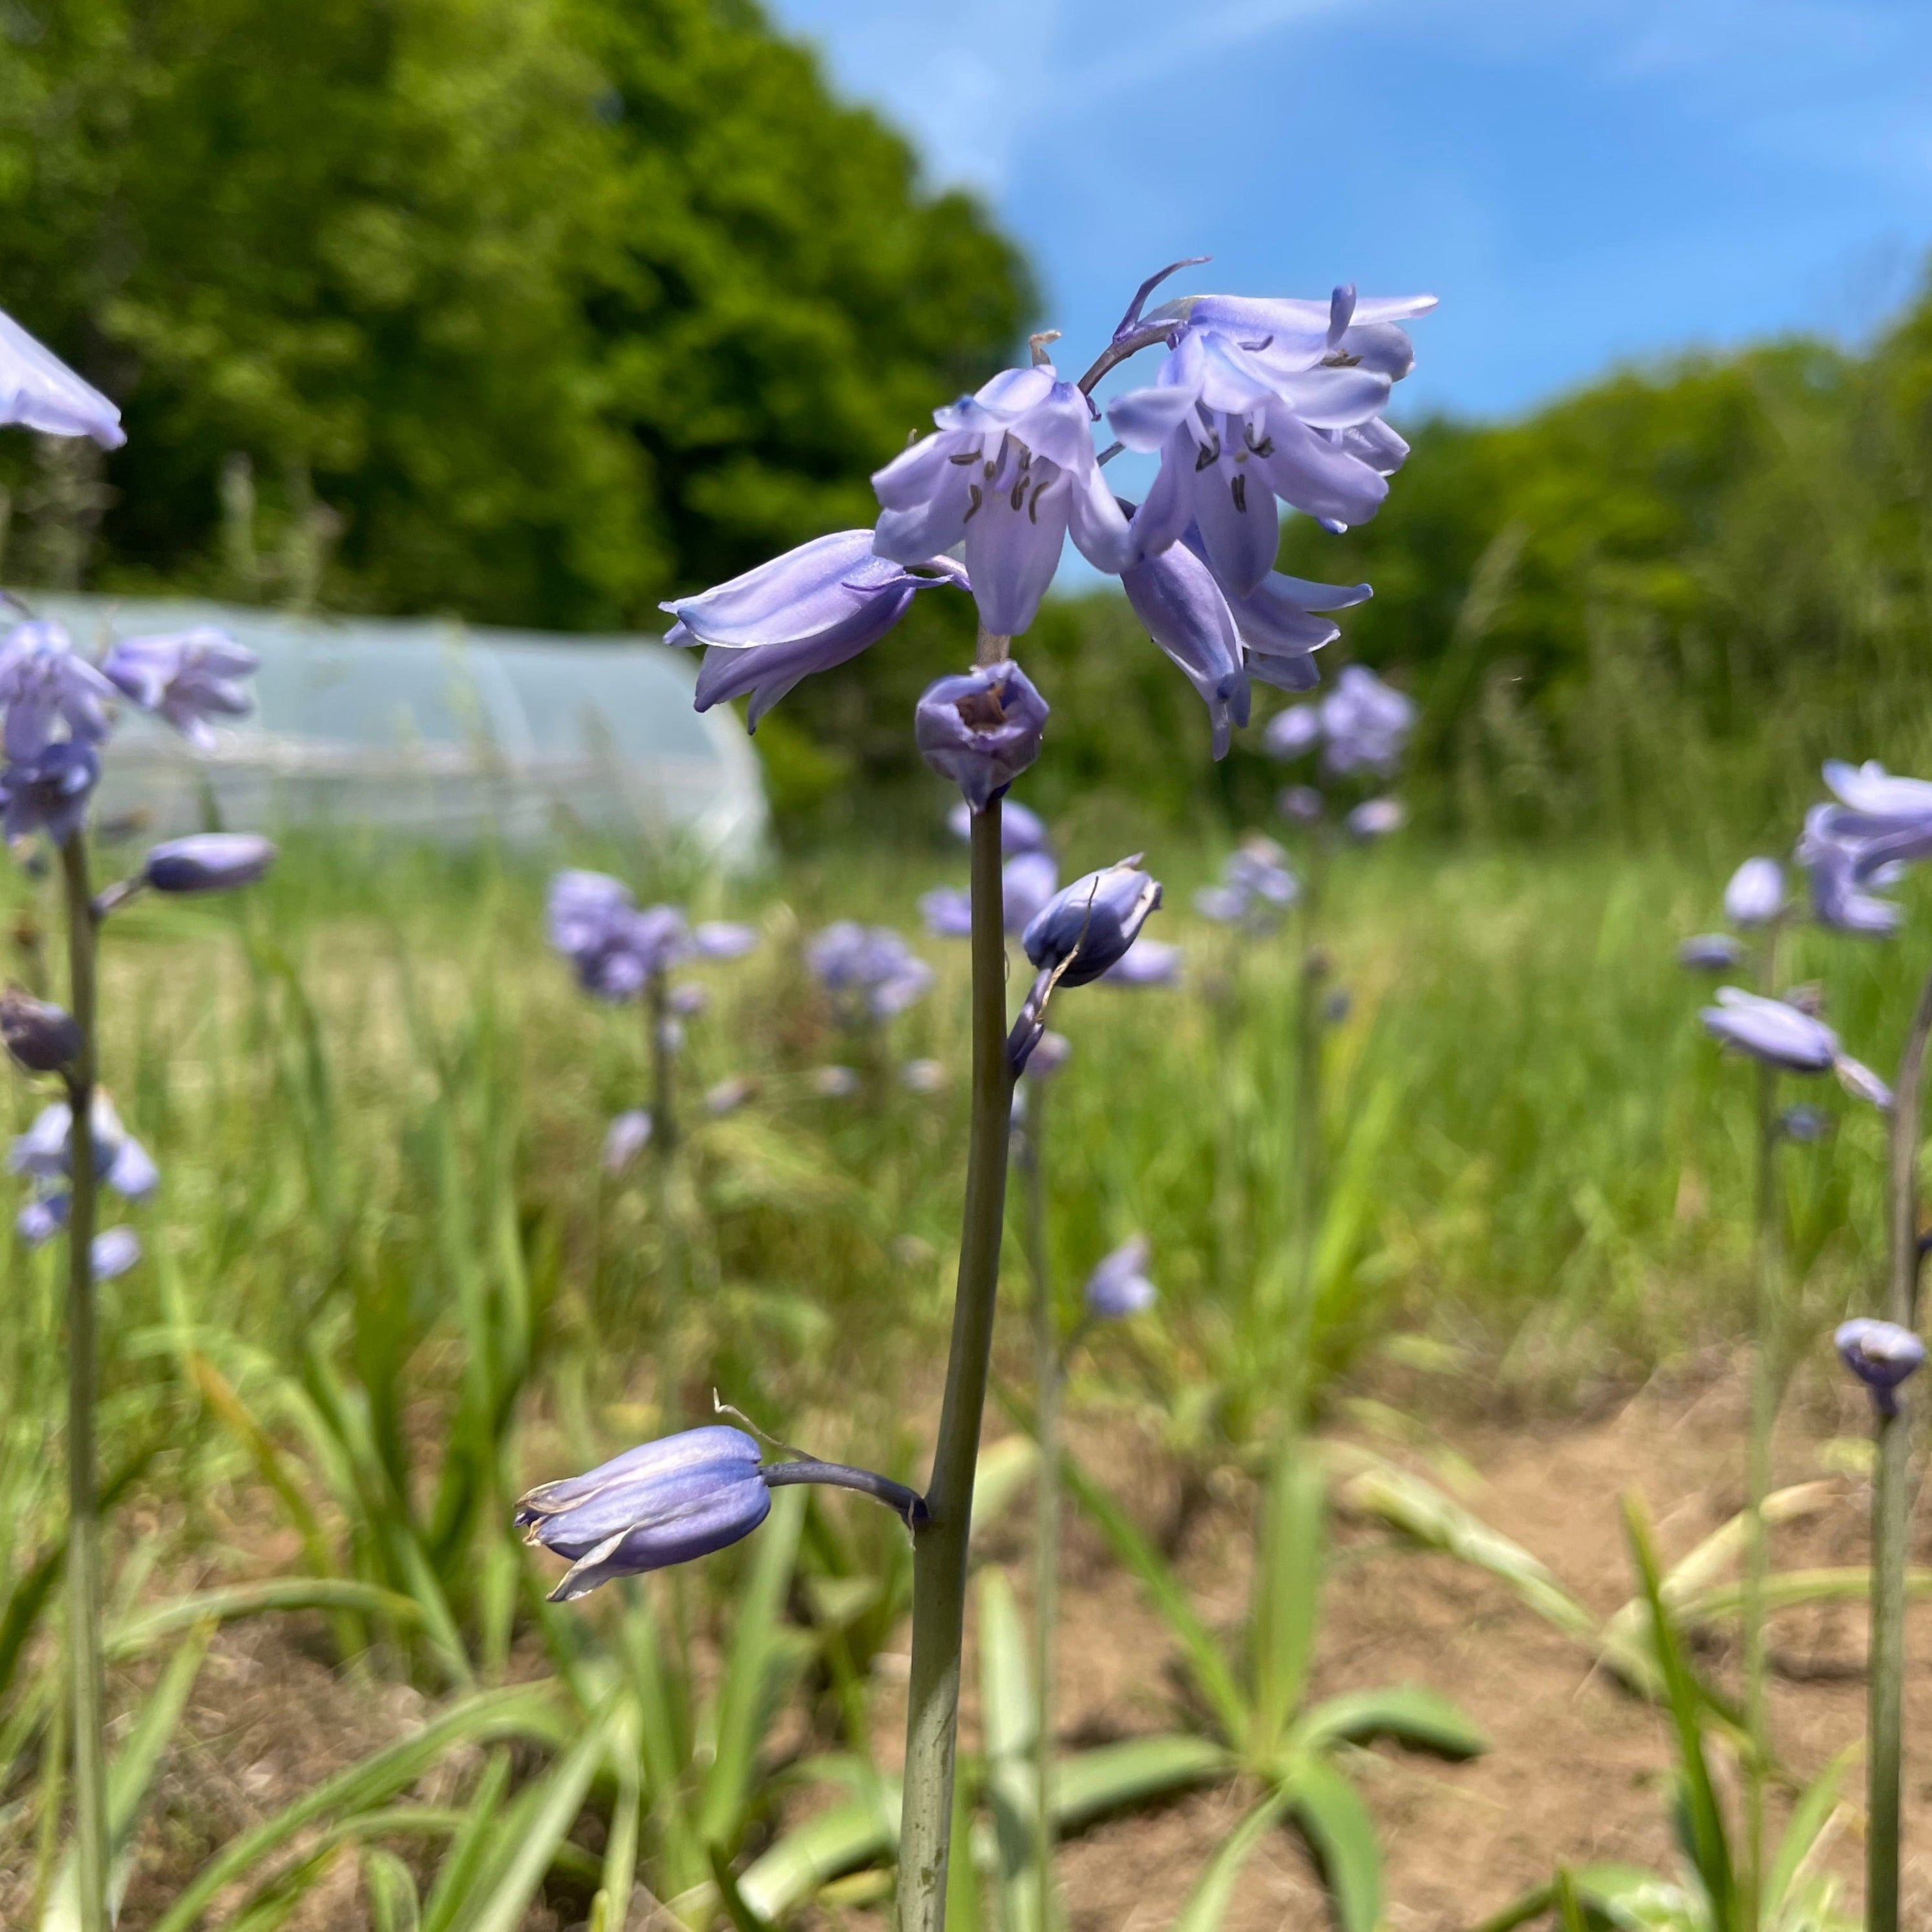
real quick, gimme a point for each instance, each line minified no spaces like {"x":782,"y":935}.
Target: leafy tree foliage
{"x":530,"y":310}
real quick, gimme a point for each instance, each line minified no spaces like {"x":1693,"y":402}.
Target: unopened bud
{"x":43,"y":1037}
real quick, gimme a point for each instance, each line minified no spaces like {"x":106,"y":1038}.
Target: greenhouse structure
{"x":437,"y":729}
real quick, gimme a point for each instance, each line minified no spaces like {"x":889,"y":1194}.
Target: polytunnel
{"x":435,"y":729}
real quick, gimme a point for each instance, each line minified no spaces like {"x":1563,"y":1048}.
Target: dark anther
{"x":1340,"y":359}
{"x":1033,"y":505}
{"x":974,"y":489}
{"x":1239,"y":487}
{"x":1264,"y":448}
{"x":1018,"y":496}
{"x":963,"y":456}
{"x":1211,"y":454}
{"x":981,"y":710}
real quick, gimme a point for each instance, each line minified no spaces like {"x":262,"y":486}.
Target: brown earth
{"x":1577,"y":1768}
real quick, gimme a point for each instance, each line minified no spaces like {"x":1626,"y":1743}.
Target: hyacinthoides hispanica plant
{"x":1256,"y":403}
{"x":57,"y":714}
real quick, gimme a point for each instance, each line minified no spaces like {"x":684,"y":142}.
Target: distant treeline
{"x":534,"y":311}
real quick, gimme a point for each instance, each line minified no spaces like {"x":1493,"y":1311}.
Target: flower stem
{"x":1046,"y":1494}
{"x":657,"y":1016}
{"x":908,"y":1505}
{"x":83,"y":1560}
{"x":1307,"y":1111}
{"x":1890,"y":1505}
{"x":940,"y":1547}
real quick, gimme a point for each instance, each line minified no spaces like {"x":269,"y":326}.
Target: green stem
{"x":1314,"y":971}
{"x":657,"y":1016}
{"x":83,"y":1560}
{"x":940,"y":1548}
{"x":1766,"y":1347}
{"x":1046,"y":1494}
{"x":1890,"y":1512}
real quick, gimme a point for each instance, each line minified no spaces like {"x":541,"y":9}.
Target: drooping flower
{"x":1021,"y":830}
{"x":113,"y":1252}
{"x":1085,"y":928}
{"x":1365,"y":723}
{"x":42,"y":1037}
{"x":188,"y":677}
{"x":628,"y":1135}
{"x":1831,"y":866}
{"x":1755,"y":895}
{"x":45,"y":1151}
{"x":1256,"y":882}
{"x":49,"y":793}
{"x":981,"y":728}
{"x":1245,"y":412}
{"x":1882,"y":1354}
{"x":1711,"y":952}
{"x":1010,"y":472}
{"x":209,"y":862}
{"x":38,"y":391}
{"x":1292,"y":733}
{"x":816,"y":607}
{"x":662,"y":1503}
{"x":1781,"y":1035}
{"x":1119,"y":1287}
{"x":615,"y":949}
{"x":45,"y":682}
{"x":871,"y":968}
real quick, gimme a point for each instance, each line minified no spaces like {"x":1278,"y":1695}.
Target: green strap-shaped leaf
{"x":468,"y":1849}
{"x":1111,"y":1777}
{"x":1336,"y":1824}
{"x":1287,"y":1597}
{"x":611,"y":1908}
{"x":137,"y":1633}
{"x":1809,"y":1817}
{"x":391,"y":1888}
{"x":862,"y":1831}
{"x":1207,"y":1903}
{"x":1409,"y":1713}
{"x":743,"y":1916}
{"x":1006,"y":1713}
{"x":1169,"y":1597}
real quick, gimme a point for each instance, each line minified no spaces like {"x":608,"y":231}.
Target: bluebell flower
{"x":44,"y":1151}
{"x":1255,"y":883}
{"x":815,"y":608}
{"x":113,"y":1252}
{"x":871,"y":968}
{"x":209,"y":862}
{"x":1711,"y":952}
{"x":1365,"y":723}
{"x":1375,"y":818}
{"x":722,"y":939}
{"x":1781,"y":1035}
{"x":1051,"y":1052}
{"x":42,"y":1219}
{"x":1803,"y":1124}
{"x":615,"y":948}
{"x":947,"y":911}
{"x":1832,"y":865}
{"x":45,"y":682}
{"x":662,"y":1503}
{"x":38,"y":391}
{"x":1021,"y":830}
{"x":1299,"y":804}
{"x":42,"y":1037}
{"x":1082,"y":930}
{"x":1242,"y":417}
{"x":1882,"y":1355}
{"x":628,"y":1135}
{"x":1755,"y":895}
{"x":49,"y":792}
{"x":1293,"y":733}
{"x":1028,"y":881}
{"x":981,"y":728}
{"x":1119,"y":1287}
{"x":188,"y":677}
{"x":1011,"y":472}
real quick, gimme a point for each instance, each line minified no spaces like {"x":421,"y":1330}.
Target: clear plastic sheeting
{"x":435,"y":729}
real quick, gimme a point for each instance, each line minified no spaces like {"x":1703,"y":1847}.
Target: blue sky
{"x":1580,"y":180}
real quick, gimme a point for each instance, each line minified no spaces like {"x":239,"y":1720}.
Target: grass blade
{"x":1336,"y":1824}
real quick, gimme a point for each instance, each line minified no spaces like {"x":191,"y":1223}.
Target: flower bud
{"x":981,"y":729}
{"x":43,"y":1037}
{"x":662,"y":1503}
{"x":1077,"y":936}
{"x":1882,"y":1355}
{"x":209,"y":862}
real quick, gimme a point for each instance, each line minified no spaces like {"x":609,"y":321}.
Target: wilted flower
{"x":870,"y":965}
{"x":49,"y":793}
{"x":209,"y":862}
{"x":114,"y":1252}
{"x":1711,"y":952}
{"x":1882,"y":1355}
{"x":45,"y":681}
{"x":1020,"y":830}
{"x":834,"y":1083}
{"x":1756,"y":894}
{"x":1375,"y":818}
{"x":1779,"y":1034}
{"x":728,"y":1096}
{"x":626,"y":1137}
{"x":1119,"y":1287}
{"x":1080,"y":932}
{"x":815,"y":607}
{"x":663,"y":1503}
{"x":981,"y":729}
{"x":42,"y":1037}
{"x":1011,"y":472}
{"x":1243,"y":414}
{"x":1300,"y":804}
{"x":922,"y":1076}
{"x":1147,"y":962}
{"x":188,"y":677}
{"x":38,"y":391}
